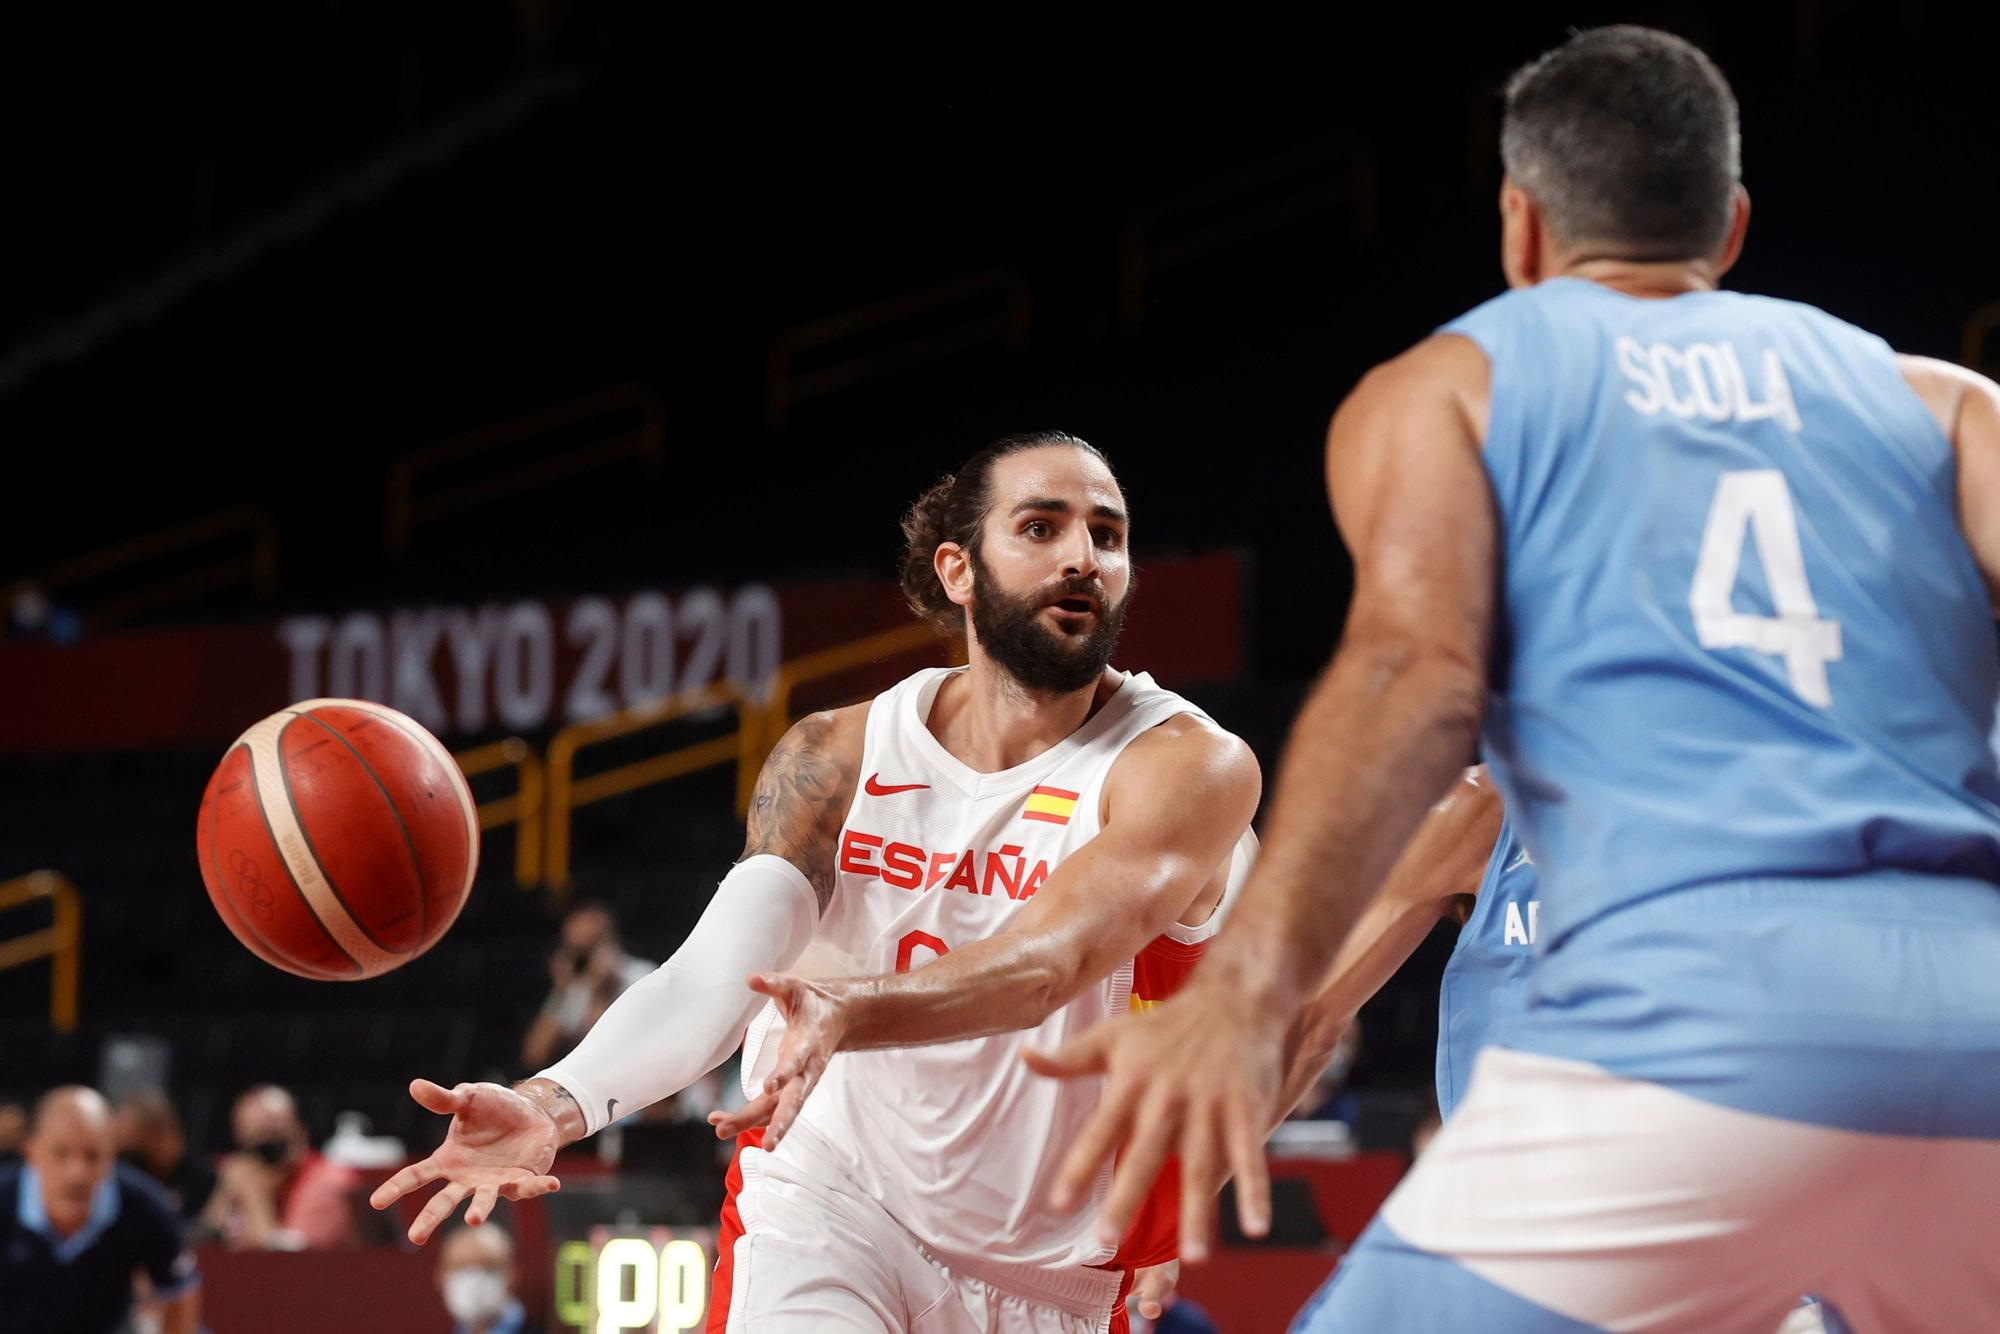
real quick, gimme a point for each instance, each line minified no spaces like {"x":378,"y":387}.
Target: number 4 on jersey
{"x":1760,"y":501}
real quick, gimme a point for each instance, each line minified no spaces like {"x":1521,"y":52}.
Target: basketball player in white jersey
{"x":1039,"y":836}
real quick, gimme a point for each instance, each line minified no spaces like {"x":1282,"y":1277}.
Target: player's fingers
{"x":1153,"y":1288}
{"x":1139,"y":1162}
{"x":413,"y":1177}
{"x":1241,"y":1133}
{"x":435,"y":1097}
{"x":442,"y":1206}
{"x":777,"y":986}
{"x":1099,"y":1139}
{"x":528,"y":1188}
{"x":789,"y":1101}
{"x":482,"y":1204}
{"x":1084,"y":1055}
{"x":756,"y":1112}
{"x":784,"y":1071}
{"x":1201,"y":1178}
{"x":799,"y":1065}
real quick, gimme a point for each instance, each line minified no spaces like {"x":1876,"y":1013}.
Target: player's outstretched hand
{"x":499,"y":1146}
{"x":1197,"y":1075}
{"x":815,"y":1022}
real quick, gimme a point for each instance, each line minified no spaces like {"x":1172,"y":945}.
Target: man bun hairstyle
{"x":954,"y":510}
{"x":1627,"y":137}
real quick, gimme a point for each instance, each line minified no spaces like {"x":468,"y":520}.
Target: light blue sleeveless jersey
{"x":1486,"y":978}
{"x":1741,"y":636}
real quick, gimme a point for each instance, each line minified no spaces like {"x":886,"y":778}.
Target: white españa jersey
{"x":959,"y":1141}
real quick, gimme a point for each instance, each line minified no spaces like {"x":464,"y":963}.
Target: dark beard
{"x":1039,"y":658}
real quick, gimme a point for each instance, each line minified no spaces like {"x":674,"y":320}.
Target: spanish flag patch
{"x":1050,"y":804}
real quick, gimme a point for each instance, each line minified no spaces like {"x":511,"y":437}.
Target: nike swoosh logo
{"x":610,"y":1110}
{"x":874,"y":787}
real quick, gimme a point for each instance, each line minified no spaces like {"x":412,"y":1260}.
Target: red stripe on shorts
{"x":726,"y":1235}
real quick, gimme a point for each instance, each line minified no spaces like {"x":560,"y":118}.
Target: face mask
{"x":272,"y":1151}
{"x":475,"y":1294}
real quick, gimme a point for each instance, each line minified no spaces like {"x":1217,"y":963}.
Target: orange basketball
{"x":338,"y":839}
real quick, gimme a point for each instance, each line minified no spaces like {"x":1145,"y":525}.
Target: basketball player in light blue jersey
{"x":1485,"y":982}
{"x":1486,"y":979}
{"x":1711,"y":578}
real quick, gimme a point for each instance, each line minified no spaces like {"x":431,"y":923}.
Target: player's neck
{"x":991,"y":722}
{"x":1640,"y":278}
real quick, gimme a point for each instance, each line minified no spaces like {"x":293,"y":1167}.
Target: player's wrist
{"x":1250,"y":986}
{"x":844,"y":1002}
{"x":559,"y":1105}
{"x":846,"y":1012}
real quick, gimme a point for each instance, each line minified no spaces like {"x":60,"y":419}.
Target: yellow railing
{"x":566,"y":792}
{"x":61,"y":942}
{"x":523,"y":810}
{"x":777,"y":711}
{"x":759,"y":726}
{"x":256,"y":567}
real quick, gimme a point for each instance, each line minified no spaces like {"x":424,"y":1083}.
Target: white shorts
{"x":1564,"y":1198}
{"x":818,"y":1257}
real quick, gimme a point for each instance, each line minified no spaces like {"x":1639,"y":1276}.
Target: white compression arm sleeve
{"x":684,"y":1018}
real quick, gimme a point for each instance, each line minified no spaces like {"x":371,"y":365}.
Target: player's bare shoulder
{"x":1445,"y":373}
{"x":804,"y":791}
{"x":1187,"y":757}
{"x":1945,"y":389}
{"x":1966,"y":405}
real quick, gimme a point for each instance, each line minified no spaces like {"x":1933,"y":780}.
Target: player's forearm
{"x":682,"y":1020}
{"x":998,"y":985}
{"x":1099,"y":909}
{"x":1315,"y":1034}
{"x":1387,"y":933}
{"x":1337,"y":822}
{"x":1445,"y":861}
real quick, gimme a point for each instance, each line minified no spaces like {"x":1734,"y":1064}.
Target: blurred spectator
{"x":30,"y":615}
{"x":1329,"y":1099}
{"x":13,"y":1131}
{"x":587,"y":971}
{"x":81,"y":1225}
{"x":475,"y":1274}
{"x":276,"y":1193}
{"x":150,"y":1138}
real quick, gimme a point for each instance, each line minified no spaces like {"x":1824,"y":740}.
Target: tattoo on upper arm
{"x":801,"y":797}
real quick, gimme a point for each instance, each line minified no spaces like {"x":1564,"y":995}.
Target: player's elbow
{"x":1458,"y":693}
{"x":1045,"y":987}
{"x":1442,"y":680}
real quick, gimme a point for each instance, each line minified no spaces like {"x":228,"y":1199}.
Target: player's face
{"x":1051,"y":576}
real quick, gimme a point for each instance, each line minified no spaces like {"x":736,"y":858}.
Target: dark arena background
{"x":556,"y":373}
